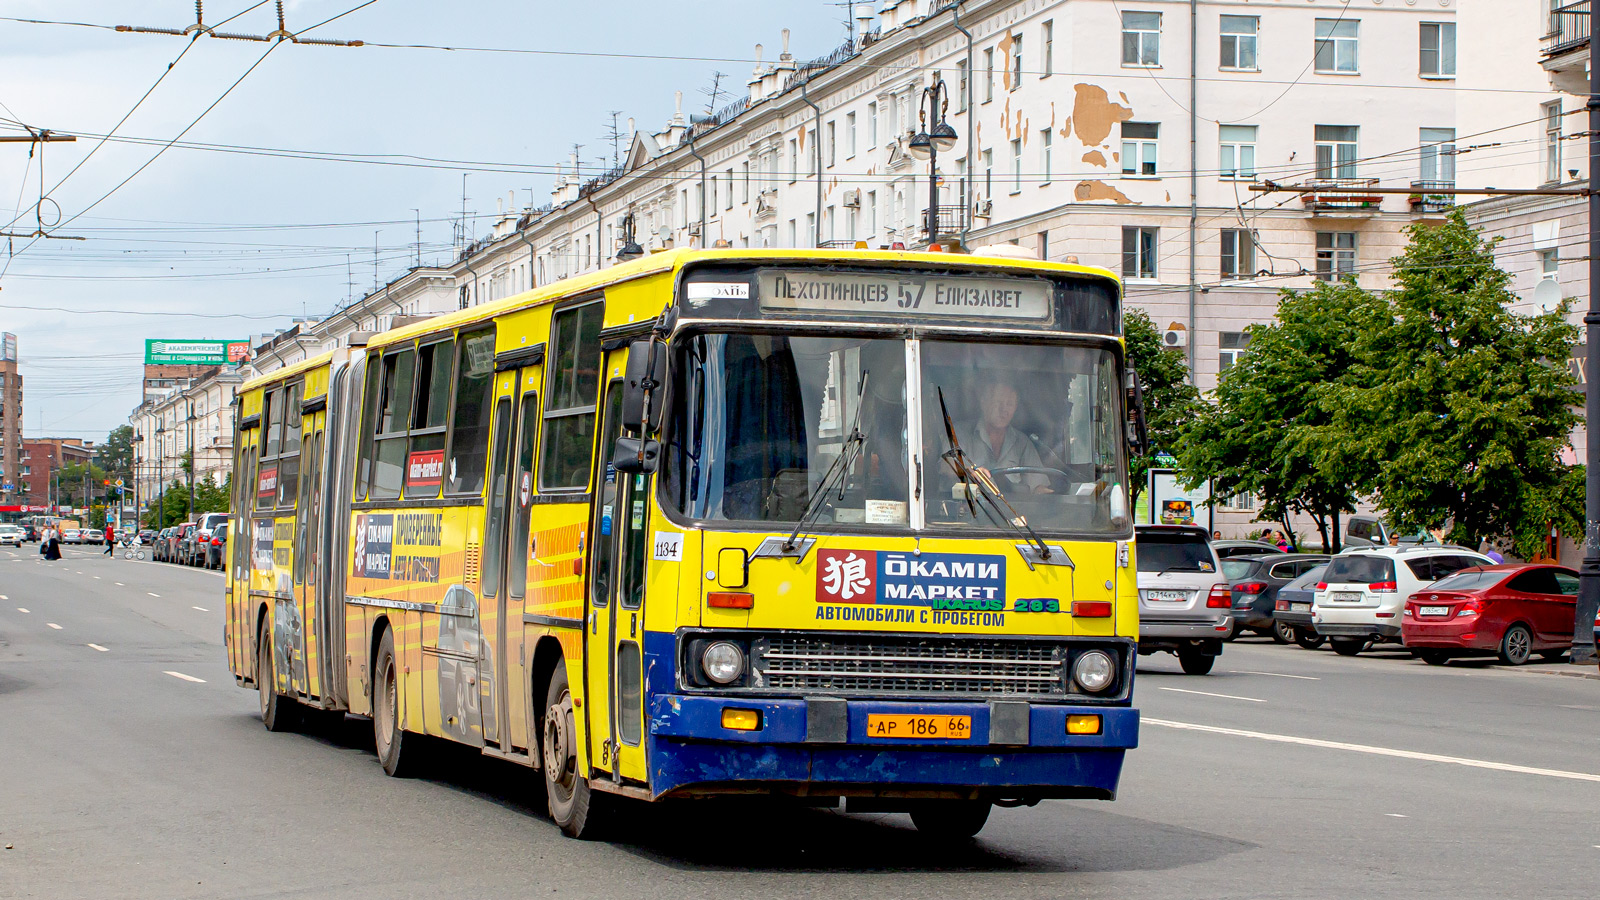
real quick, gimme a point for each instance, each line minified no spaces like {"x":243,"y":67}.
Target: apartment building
{"x":11,"y":484}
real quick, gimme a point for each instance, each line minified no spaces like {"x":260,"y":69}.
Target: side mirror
{"x":644,"y":386}
{"x":636,"y":455}
{"x":1138,"y":429}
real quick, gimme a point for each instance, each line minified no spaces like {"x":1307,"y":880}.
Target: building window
{"x":1552,"y":141}
{"x":1016,"y":61}
{"x":1438,"y":54}
{"x":794,"y":237}
{"x":833,"y":143}
{"x":1336,"y":44}
{"x":1336,"y":151}
{"x":1139,"y":149}
{"x":1141,"y":39}
{"x":811,"y":229}
{"x":1439,"y":156}
{"x":815,"y":156}
{"x":1232,"y":344}
{"x":1239,"y":42}
{"x":1047,"y":48}
{"x":827,"y":223}
{"x":872,"y":124}
{"x":1046,"y":141}
{"x":1238,"y":253}
{"x":1238,"y":154}
{"x":988,"y":173}
{"x":1139,"y":252}
{"x":1016,"y":166}
{"x":850,"y":136}
{"x":988,"y":75}
{"x":1336,"y":254}
{"x":872,"y":213}
{"x":961,"y":86}
{"x":794,"y":161}
{"x":744,"y":182}
{"x":1549,"y":264}
{"x":1242,"y":502}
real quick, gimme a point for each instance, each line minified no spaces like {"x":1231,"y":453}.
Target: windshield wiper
{"x":841,"y":465}
{"x":1181,"y":567}
{"x":987,"y":489}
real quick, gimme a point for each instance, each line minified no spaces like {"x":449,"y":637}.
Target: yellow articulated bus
{"x":824,"y":524}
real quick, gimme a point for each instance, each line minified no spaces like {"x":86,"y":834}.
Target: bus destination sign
{"x":905,"y":294}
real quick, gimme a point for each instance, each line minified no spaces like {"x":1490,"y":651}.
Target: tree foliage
{"x":116,"y":454}
{"x":1169,"y":398}
{"x":1271,"y":432}
{"x":1462,"y":406}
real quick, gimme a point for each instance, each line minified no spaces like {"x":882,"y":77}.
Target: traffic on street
{"x":134,"y":768}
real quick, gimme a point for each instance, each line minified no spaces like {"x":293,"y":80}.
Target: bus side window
{"x":389,"y":444}
{"x":567,"y":444}
{"x":468,"y":450}
{"x":424,"y":462}
{"x":369,"y":426}
{"x":289,"y":449}
{"x":266,"y":495}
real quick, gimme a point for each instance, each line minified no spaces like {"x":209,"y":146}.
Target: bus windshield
{"x":762,"y":422}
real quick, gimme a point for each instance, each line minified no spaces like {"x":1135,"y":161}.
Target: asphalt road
{"x":131,"y":766}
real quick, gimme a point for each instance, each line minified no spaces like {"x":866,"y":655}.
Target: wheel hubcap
{"x":1517,"y":644}
{"x":387,"y":707}
{"x":558,"y":751}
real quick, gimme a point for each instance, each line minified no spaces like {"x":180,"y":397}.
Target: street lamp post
{"x":191,"y":458}
{"x":161,"y":483}
{"x":936,"y":137}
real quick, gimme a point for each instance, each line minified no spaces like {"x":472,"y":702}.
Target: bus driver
{"x":995,"y":444}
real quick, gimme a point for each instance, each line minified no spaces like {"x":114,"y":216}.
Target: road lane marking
{"x":152,"y":594}
{"x":54,"y":625}
{"x":1274,"y":674}
{"x":22,"y":609}
{"x":201,"y":608}
{"x":100,"y":648}
{"x":184,"y":677}
{"x":119,"y":584}
{"x":1397,"y":816}
{"x":1376,"y":751}
{"x":1209,"y":694}
{"x":97,"y":578}
{"x":4,"y":597}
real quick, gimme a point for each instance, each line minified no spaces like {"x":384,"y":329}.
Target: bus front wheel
{"x":278,"y":712}
{"x":578,"y":810}
{"x":951,"y":820}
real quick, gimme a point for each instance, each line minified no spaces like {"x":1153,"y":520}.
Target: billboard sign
{"x":8,"y":347}
{"x":194,"y":353}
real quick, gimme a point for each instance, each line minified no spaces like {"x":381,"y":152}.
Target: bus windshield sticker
{"x":718,"y":290}
{"x":964,"y":581}
{"x":906,"y":294}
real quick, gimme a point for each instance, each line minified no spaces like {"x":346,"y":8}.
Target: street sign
{"x":194,"y":353}
{"x":8,"y":347}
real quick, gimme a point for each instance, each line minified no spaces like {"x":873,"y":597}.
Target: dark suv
{"x":1254,"y":582}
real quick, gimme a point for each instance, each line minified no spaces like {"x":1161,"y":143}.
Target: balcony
{"x":1342,"y":197}
{"x":951,"y":220}
{"x":1426,"y":204}
{"x":1566,"y":47}
{"x":849,"y":244}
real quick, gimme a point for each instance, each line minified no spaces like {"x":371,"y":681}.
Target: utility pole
{"x":191,"y":458}
{"x":1583,"y":648}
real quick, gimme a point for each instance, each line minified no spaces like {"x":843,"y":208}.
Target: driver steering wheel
{"x":1060,"y":482}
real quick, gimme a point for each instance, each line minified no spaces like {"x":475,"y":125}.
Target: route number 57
{"x":911,"y":294}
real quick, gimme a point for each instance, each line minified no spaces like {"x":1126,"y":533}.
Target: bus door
{"x":307,"y":672}
{"x":241,"y":540}
{"x":505,"y":569}
{"x":615,"y":624}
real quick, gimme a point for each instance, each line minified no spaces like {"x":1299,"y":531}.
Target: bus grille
{"x":910,"y":665}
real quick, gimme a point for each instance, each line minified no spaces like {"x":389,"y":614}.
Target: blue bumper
{"x":692,"y":753}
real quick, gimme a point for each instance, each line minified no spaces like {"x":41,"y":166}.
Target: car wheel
{"x":1349,"y":646}
{"x":1282,"y":632}
{"x":1308,"y":638}
{"x":1195,"y":663}
{"x":1553,"y":655}
{"x":1434,"y":657}
{"x":579,"y":811}
{"x":951,"y":820}
{"x":1516,"y":645}
{"x":397,"y":751}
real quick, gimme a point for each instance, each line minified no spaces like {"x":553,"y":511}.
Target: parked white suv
{"x":1363,"y":592}
{"x":1185,"y":605}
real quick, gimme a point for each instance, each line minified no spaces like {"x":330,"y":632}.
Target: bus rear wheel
{"x":278,"y":713}
{"x":578,"y":810}
{"x":397,"y":751}
{"x":951,"y":820}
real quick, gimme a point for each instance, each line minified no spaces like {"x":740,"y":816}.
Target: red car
{"x":1511,"y":610}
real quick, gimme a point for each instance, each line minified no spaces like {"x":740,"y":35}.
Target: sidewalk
{"x":1561,"y":668}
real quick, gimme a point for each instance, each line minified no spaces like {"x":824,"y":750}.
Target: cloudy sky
{"x":215,"y":242}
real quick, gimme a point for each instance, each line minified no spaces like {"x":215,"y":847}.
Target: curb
{"x":1577,"y":673}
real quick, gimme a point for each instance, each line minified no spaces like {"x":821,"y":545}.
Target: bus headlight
{"x":722,"y":662}
{"x":1094,"y":671}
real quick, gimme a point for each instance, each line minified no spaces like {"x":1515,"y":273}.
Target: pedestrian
{"x":1281,"y":541}
{"x":1495,"y":555}
{"x":1216,"y":535}
{"x":111,"y":540}
{"x":50,"y":548}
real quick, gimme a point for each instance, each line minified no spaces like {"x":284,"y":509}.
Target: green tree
{"x":1169,"y":398}
{"x":116,"y":454}
{"x":73,"y":487}
{"x":1271,"y":432}
{"x":1463,"y":406}
{"x":211,"y":497}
